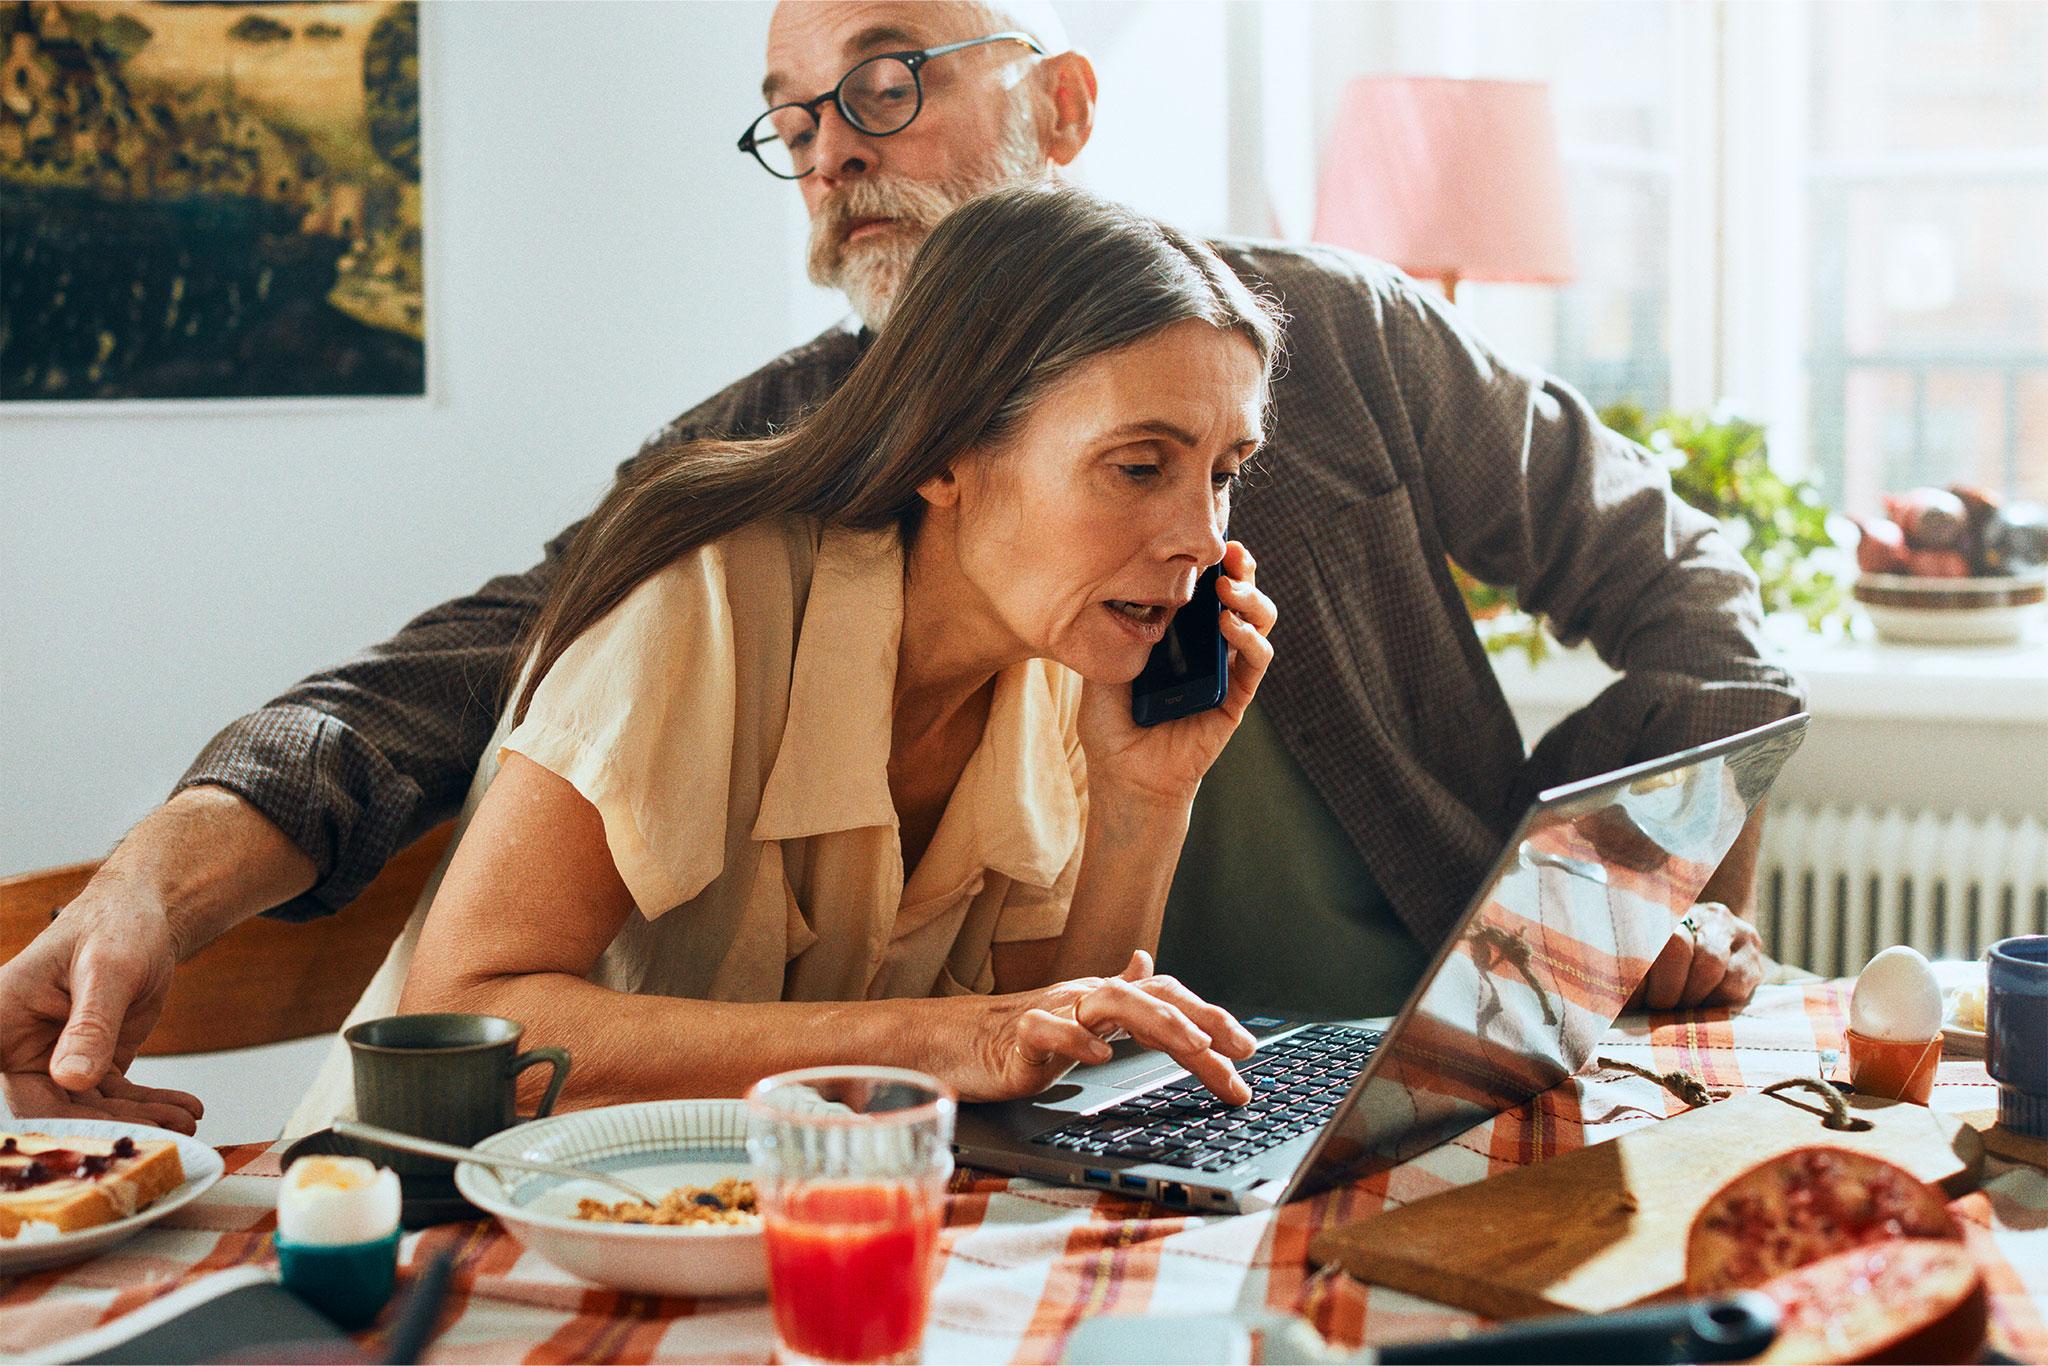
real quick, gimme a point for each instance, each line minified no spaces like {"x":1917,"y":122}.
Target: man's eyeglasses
{"x":880,"y":96}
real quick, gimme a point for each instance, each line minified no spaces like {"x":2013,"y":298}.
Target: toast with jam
{"x":74,"y":1182}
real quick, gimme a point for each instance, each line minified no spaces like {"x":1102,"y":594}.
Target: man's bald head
{"x":937,"y":21}
{"x":1035,"y":17}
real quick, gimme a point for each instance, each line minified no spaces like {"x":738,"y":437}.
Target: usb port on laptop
{"x":1131,"y":1183}
{"x":1096,"y":1176}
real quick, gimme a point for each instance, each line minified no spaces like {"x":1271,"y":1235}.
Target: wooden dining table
{"x":1024,"y":1263}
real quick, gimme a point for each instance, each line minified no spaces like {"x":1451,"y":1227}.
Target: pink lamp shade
{"x":1448,"y":179}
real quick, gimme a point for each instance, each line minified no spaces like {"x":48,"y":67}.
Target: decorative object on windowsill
{"x":1953,"y":566}
{"x":1720,"y":464}
{"x":1448,"y":179}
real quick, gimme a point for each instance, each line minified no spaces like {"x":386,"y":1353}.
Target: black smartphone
{"x":1186,"y":672}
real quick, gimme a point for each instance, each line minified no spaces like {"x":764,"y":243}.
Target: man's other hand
{"x":76,"y":1004}
{"x":1713,"y":958}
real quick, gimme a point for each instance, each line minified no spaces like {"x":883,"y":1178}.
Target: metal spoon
{"x":427,"y":1147}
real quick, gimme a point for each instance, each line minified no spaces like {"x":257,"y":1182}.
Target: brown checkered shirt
{"x":1398,"y":440}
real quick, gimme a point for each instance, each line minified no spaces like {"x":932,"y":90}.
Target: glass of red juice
{"x":850,"y":1164}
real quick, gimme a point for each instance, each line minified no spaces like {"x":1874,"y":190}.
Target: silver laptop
{"x":1585,"y":894}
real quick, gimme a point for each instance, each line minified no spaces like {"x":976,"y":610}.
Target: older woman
{"x":822,"y":750}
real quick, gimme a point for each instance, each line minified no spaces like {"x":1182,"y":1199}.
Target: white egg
{"x":1896,"y":998}
{"x":333,"y":1201}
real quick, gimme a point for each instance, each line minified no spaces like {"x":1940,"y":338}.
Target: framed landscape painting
{"x":206,"y":201}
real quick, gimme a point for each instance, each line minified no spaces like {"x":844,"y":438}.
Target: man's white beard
{"x":871,"y":272}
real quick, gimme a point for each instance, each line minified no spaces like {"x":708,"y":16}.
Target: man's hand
{"x":76,"y":1004}
{"x":1713,"y":958}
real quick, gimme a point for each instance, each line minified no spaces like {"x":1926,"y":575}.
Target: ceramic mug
{"x":447,"y":1077}
{"x":2016,"y":1031}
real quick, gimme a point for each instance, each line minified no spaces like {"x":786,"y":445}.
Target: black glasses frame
{"x":751,"y":140}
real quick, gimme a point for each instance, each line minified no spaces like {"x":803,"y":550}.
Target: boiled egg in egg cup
{"x":337,"y":1236}
{"x":1895,"y":1027}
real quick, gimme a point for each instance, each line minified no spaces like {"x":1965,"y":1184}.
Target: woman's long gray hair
{"x":1010,"y":293}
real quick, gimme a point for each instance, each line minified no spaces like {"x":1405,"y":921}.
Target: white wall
{"x":599,"y":257}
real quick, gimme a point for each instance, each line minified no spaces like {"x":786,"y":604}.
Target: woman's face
{"x":1087,"y":528}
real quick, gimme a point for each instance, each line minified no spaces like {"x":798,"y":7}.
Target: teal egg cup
{"x":348,"y":1282}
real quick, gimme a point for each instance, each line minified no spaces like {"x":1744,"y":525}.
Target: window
{"x":1834,"y":213}
{"x":1610,"y":330}
{"x":1927,"y":257}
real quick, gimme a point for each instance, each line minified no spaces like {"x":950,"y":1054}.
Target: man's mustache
{"x":864,"y":200}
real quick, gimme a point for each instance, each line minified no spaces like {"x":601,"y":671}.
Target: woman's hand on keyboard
{"x":1027,"y":1040}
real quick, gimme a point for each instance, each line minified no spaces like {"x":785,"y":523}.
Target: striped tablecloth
{"x":1024,"y":1263}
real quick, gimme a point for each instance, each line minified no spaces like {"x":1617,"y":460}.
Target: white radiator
{"x":1835,"y":885}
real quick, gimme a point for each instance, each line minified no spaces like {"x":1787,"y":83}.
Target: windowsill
{"x":1866,"y":679}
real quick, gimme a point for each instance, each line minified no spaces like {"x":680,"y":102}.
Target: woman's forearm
{"x":1127,"y":862}
{"x":626,"y":1047}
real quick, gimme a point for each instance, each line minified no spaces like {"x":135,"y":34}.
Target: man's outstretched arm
{"x":1530,"y":489}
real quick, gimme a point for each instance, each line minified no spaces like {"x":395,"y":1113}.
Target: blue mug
{"x":2016,"y":1031}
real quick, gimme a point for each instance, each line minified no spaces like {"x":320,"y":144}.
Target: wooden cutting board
{"x":1605,"y":1226}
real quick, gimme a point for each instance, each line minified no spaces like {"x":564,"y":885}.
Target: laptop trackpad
{"x":1133,"y":1066}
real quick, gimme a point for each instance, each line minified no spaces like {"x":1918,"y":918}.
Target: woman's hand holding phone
{"x":1167,"y":761}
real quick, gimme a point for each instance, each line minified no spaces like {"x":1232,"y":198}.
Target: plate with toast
{"x":72,"y":1188}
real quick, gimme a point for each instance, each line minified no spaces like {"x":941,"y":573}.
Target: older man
{"x":1382,"y":761}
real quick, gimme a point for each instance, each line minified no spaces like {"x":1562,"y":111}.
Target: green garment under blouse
{"x":1272,"y":908}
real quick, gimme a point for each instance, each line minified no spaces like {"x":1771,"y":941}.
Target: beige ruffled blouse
{"x":730,"y":720}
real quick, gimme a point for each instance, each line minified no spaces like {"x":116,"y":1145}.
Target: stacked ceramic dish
{"x":1952,"y":566}
{"x":1952,"y":611}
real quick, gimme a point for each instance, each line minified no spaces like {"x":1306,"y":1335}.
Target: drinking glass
{"x":850,"y":1167}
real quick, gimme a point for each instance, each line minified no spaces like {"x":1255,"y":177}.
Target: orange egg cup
{"x":1891,"y":1070}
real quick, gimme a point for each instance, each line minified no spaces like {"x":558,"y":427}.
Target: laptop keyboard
{"x":1297,"y":1083}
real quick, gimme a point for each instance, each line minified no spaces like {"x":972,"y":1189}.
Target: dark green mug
{"x":447,"y":1077}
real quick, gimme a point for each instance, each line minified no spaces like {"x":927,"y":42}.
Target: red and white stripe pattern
{"x":1025,"y":1263}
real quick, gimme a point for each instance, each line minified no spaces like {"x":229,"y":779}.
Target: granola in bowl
{"x":728,"y":1202}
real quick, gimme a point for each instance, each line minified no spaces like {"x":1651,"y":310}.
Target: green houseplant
{"x":1719,"y":463}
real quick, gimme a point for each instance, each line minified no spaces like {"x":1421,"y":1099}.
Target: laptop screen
{"x":1583,"y":898}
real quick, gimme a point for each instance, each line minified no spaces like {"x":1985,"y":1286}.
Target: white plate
{"x":202,"y":1167}
{"x":1953,"y":977}
{"x":657,"y":1146}
{"x":1962,"y":1041}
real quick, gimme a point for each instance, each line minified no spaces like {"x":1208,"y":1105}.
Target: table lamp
{"x":1448,"y":179}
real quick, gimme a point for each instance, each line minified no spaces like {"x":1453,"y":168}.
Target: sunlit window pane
{"x":1928,"y":247}
{"x":1609,"y":331}
{"x":1928,"y":75}
{"x":2030,"y":475}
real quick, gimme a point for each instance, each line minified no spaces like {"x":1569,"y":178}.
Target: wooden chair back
{"x":265,"y":981}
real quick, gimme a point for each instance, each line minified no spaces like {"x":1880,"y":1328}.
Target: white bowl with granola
{"x":702,"y":1238}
